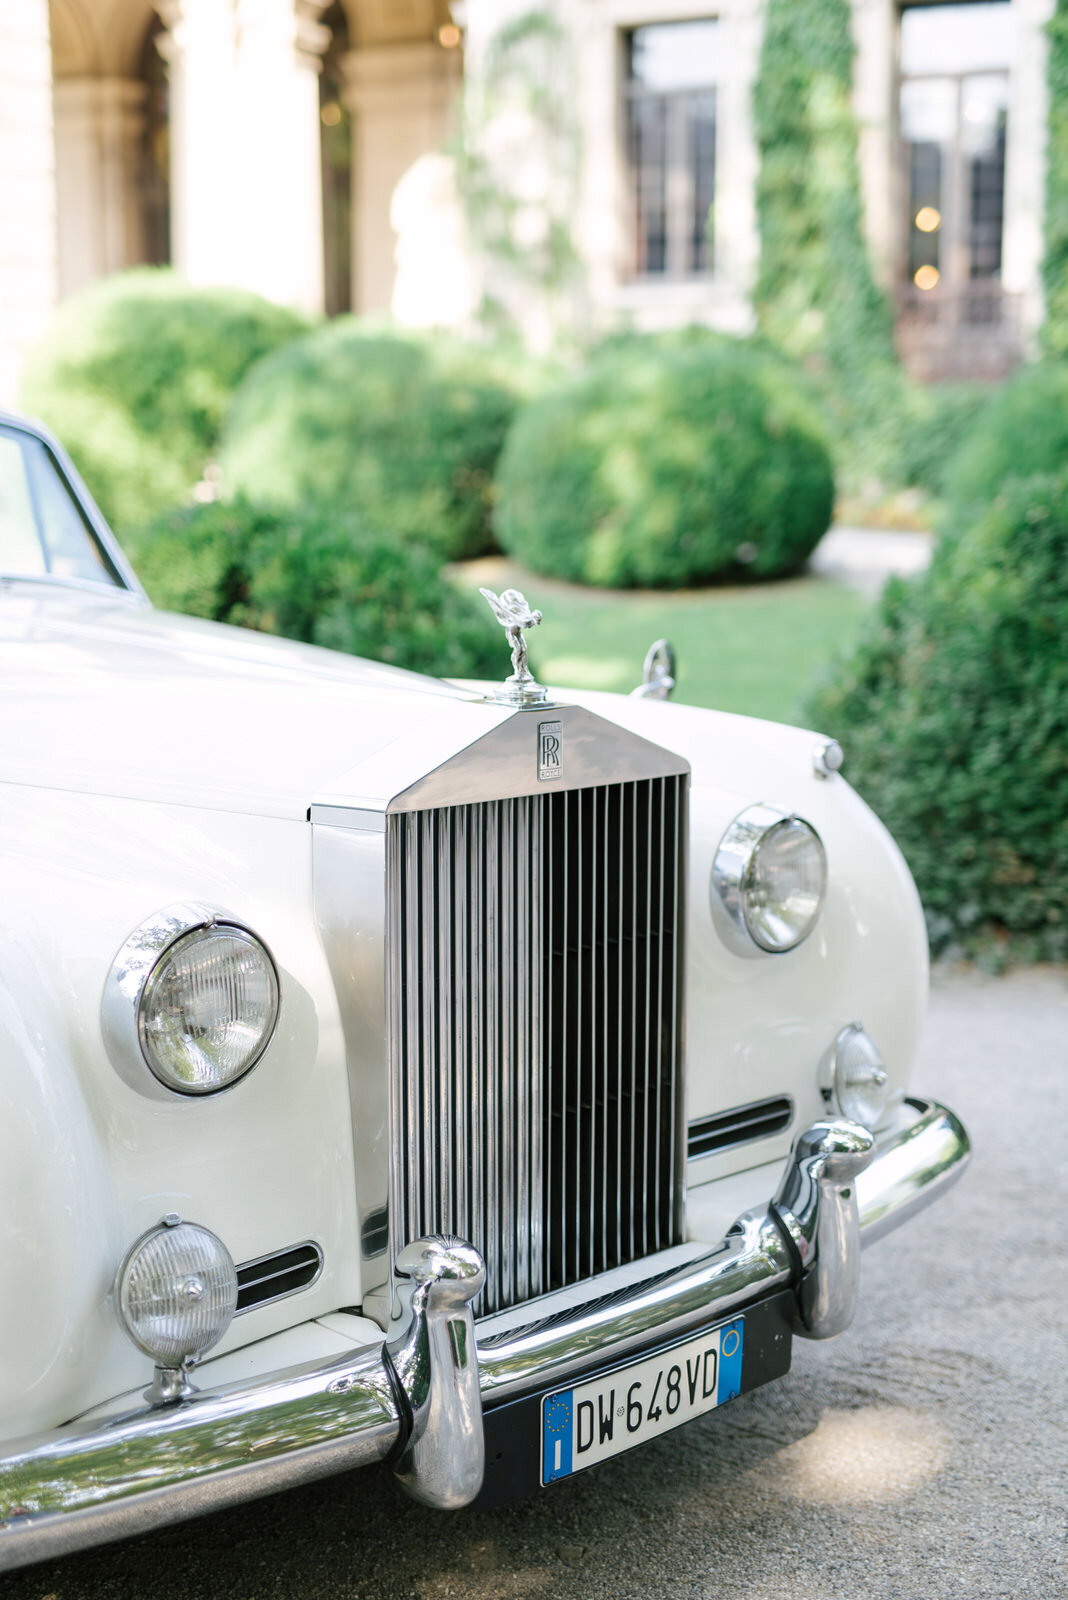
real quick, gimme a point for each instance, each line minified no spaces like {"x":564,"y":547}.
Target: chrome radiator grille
{"x":534,"y":992}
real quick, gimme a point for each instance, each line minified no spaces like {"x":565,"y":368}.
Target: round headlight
{"x":770,"y":877}
{"x":176,"y":1292}
{"x":860,"y":1083}
{"x":192,"y":996}
{"x":208,"y":1010}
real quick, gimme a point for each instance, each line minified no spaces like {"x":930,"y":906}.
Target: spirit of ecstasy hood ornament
{"x":514,"y":614}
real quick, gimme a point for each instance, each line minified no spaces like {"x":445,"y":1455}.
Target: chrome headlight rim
{"x":127,"y":984}
{"x":733,"y":870}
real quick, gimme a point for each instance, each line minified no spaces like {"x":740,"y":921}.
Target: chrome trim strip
{"x":95,"y":1480}
{"x":360,"y":818}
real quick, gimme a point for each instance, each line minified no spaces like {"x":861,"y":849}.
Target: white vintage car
{"x":478,"y":1080}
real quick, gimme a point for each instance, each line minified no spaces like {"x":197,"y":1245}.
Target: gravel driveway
{"x":921,"y":1454}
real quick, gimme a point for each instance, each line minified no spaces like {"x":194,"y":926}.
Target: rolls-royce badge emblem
{"x":550,"y":751}
{"x":514,"y":614}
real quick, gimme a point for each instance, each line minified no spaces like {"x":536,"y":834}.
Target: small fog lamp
{"x":859,"y":1083}
{"x":176,"y":1294}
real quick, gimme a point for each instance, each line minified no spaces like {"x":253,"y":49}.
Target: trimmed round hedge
{"x":954,"y":718}
{"x":134,"y":375}
{"x":668,"y":462}
{"x":1022,"y":430}
{"x":402,"y":428}
{"x":318,"y":576}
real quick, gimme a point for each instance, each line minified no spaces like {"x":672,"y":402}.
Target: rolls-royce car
{"x":478,"y":1079}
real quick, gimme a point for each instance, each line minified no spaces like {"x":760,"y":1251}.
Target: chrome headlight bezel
{"x":732,"y":876}
{"x":127,"y":985}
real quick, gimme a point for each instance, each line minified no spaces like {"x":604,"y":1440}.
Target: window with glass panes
{"x":670,"y":109}
{"x":955,"y":63}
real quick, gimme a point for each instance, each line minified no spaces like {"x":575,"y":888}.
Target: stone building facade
{"x":304,"y":149}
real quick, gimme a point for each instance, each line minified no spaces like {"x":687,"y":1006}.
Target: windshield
{"x":43,"y":531}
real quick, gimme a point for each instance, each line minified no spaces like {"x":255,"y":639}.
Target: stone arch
{"x":373,"y":23}
{"x":109,"y":100}
{"x":75,"y":46}
{"x":98,"y":38}
{"x":402,"y":77}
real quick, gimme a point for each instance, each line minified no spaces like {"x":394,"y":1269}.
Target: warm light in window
{"x":926,"y":277}
{"x":448,"y":36}
{"x":928,"y":219}
{"x":331,"y":114}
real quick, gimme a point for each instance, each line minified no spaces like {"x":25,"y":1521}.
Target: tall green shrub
{"x":815,"y":294}
{"x":1055,"y":263}
{"x":323,"y":577}
{"x":954,"y":717}
{"x":134,"y":375}
{"x":668,"y":462}
{"x":401,"y":428}
{"x":1022,"y":430}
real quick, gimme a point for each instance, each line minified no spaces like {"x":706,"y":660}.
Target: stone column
{"x":27,"y":186}
{"x":1023,"y":241}
{"x":200,"y":50}
{"x":276,"y":150}
{"x":875,"y":34}
{"x":401,"y":98}
{"x":99,"y":126}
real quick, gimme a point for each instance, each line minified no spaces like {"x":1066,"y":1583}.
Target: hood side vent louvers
{"x":708,"y":1135}
{"x":273,"y":1277}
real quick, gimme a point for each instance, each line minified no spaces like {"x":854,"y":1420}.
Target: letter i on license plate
{"x":595,"y":1420}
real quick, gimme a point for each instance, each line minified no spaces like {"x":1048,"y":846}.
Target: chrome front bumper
{"x":417,"y":1400}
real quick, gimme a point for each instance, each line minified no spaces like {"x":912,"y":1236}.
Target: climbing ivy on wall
{"x":815,"y":294}
{"x":517,"y":172}
{"x":1055,"y":264}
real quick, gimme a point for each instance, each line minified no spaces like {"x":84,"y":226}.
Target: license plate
{"x":599,"y":1419}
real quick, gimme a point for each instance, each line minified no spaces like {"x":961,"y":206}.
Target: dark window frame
{"x":686,"y":177}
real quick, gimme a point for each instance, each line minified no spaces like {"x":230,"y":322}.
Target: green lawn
{"x":756,"y":649}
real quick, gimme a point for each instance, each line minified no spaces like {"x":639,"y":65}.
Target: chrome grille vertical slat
{"x":634,"y":1218}
{"x":491,"y":1248}
{"x":535,"y":1200}
{"x":476,"y":980}
{"x":603,"y":1213}
{"x":460,"y":1001}
{"x":534,"y":1010}
{"x":441,"y":869}
{"x":506,"y":1136}
{"x":621,"y":880}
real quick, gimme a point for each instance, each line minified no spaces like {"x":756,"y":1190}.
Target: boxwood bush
{"x":1022,"y":430}
{"x":328,"y":579}
{"x":954,"y":718}
{"x":668,"y":462}
{"x":134,"y":375}
{"x":402,"y":428}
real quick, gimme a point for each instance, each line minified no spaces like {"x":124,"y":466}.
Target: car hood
{"x":107,"y":696}
{"x":110,"y":697}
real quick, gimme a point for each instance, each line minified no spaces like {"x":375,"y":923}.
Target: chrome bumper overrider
{"x":417,"y":1400}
